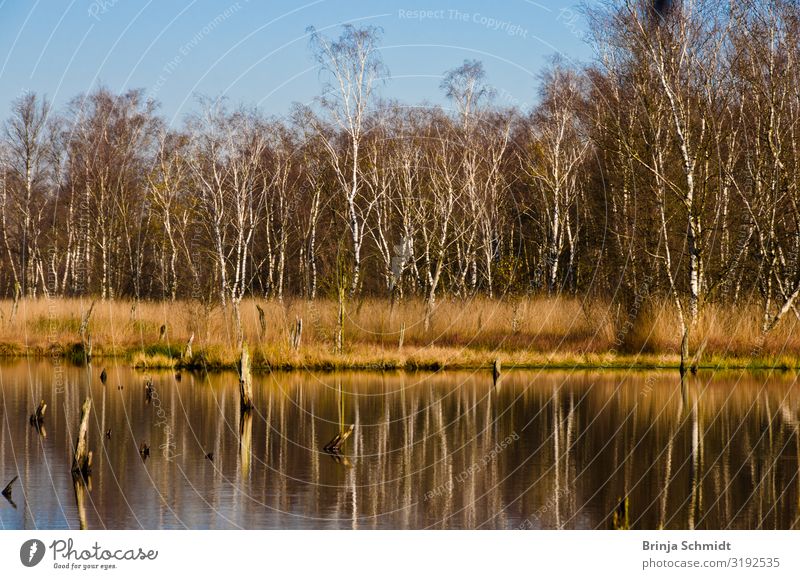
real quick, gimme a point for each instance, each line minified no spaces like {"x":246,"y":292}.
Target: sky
{"x":257,"y":52}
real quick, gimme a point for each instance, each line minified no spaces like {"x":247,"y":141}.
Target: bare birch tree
{"x":354,"y":67}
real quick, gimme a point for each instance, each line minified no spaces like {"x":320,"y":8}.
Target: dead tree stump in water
{"x":187,"y":352}
{"x":340,"y":321}
{"x":148,"y":390}
{"x":82,"y":461}
{"x":37,"y":418}
{"x":86,"y":337}
{"x":17,"y":294}
{"x":262,"y":322}
{"x":336,"y":444}
{"x":296,"y":334}
{"x":245,"y":380}
{"x":87,"y":348}
{"x":85,"y":321}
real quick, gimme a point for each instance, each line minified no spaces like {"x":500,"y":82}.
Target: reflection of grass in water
{"x":529,"y":332}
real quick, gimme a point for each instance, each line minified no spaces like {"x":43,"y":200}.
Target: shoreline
{"x":523,"y":333}
{"x":266,"y":359}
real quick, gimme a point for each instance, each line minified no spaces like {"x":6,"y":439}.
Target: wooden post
{"x":162,"y":332}
{"x":187,"y":353}
{"x":262,"y":322}
{"x":684,"y":351}
{"x":37,"y":419}
{"x":86,"y":338}
{"x":402,"y":336}
{"x":85,"y":322}
{"x":17,"y":294}
{"x":245,"y":380}
{"x":87,"y":348}
{"x":297,"y":333}
{"x":148,"y":389}
{"x":82,"y":461}
{"x":340,"y":321}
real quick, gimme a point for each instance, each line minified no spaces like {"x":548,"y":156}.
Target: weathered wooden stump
{"x":296,"y":334}
{"x":262,"y":322}
{"x":82,"y":461}
{"x":37,"y":418}
{"x":336,"y":443}
{"x":86,"y":337}
{"x":245,"y":380}
{"x":402,"y":336}
{"x":187,"y":352}
{"x":85,"y":321}
{"x":87,"y":348}
{"x":17,"y":295}
{"x":148,"y":390}
{"x":162,"y":332}
{"x":340,"y":321}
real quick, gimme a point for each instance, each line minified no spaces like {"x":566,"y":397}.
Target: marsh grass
{"x":533,"y":332}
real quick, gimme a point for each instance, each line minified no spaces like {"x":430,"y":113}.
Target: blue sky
{"x":258,"y":52}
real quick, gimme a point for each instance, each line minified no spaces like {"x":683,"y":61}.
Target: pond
{"x":541,"y":450}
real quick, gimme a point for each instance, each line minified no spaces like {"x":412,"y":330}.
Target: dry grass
{"x":463,"y":333}
{"x":721,"y":331}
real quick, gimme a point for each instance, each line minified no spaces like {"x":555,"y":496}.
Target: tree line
{"x":668,"y":166}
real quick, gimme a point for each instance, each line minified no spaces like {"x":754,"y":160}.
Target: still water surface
{"x":429,"y":450}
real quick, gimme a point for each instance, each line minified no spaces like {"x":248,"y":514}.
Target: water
{"x":447,"y":450}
